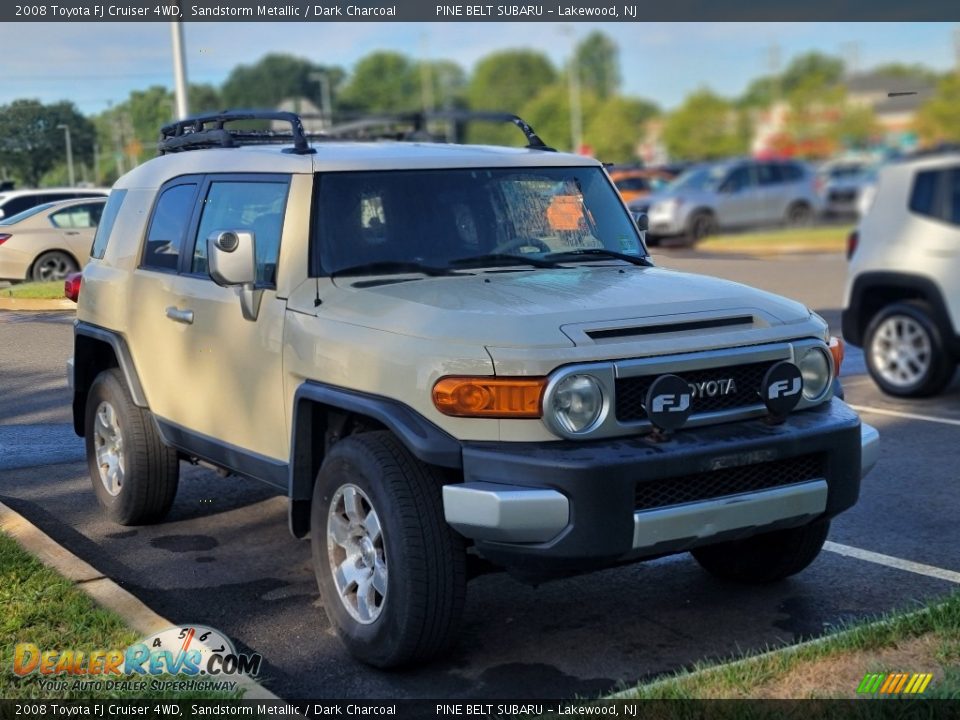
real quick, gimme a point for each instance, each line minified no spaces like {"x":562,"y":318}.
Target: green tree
{"x":383,"y":82}
{"x":448,"y":83}
{"x":938,"y":119}
{"x":549,"y":114}
{"x":921,"y":75}
{"x":760,"y":93}
{"x":31,"y":143}
{"x":597,"y":60}
{"x":506,"y":81}
{"x":204,"y":99}
{"x":277,"y":77}
{"x":705,"y":127}
{"x":615,"y":128}
{"x":811,"y":69}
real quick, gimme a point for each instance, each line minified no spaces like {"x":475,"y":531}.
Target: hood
{"x":547,"y":307}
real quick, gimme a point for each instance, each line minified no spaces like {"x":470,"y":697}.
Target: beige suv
{"x":445,"y":353}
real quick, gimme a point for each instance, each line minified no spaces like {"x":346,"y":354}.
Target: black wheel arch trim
{"x":422,"y":438}
{"x":84,"y":374}
{"x":854,"y":323}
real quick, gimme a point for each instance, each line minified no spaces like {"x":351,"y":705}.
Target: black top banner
{"x":569,"y":11}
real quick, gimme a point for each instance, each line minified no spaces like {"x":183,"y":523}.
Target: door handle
{"x":72,"y":232}
{"x":183,"y":316}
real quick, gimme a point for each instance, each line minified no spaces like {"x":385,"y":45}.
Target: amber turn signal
{"x":489,"y":397}
{"x":836,"y":349}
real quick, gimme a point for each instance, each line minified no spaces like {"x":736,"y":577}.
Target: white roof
{"x":334,"y":156}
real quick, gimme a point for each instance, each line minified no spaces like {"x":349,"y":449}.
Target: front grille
{"x":842,"y":195}
{"x":632,"y":391}
{"x":729,"y":481}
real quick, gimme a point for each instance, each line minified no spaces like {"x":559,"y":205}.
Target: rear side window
{"x":926,"y":191}
{"x":241,"y":205}
{"x":791,"y":172}
{"x":953,"y":199}
{"x":105,"y":227}
{"x":168,"y":226}
{"x":81,"y":217}
{"x":769,"y":174}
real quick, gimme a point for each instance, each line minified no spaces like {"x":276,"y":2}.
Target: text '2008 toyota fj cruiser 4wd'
{"x":443,"y":352}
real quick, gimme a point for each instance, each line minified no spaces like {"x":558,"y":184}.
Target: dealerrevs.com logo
{"x":200,"y":658}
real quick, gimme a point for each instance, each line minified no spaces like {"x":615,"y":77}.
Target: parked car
{"x":49,"y":241}
{"x":731,"y":194}
{"x":13,"y":202}
{"x":636,"y":183}
{"x":403,"y":340}
{"x":902,"y":300}
{"x":848,"y":189}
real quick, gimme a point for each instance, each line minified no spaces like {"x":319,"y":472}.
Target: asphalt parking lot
{"x":225,"y":558}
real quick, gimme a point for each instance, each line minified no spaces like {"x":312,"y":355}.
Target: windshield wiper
{"x":384,"y":267}
{"x":602,"y":252}
{"x":501,"y":259}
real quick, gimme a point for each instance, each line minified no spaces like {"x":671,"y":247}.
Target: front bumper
{"x":549,"y":508}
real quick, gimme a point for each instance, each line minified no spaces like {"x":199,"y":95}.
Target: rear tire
{"x":767,"y":557}
{"x":391,"y":572}
{"x":53,"y":265}
{"x":799,"y":214}
{"x":134,"y":475}
{"x":905,"y":353}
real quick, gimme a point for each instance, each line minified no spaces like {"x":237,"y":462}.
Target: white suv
{"x":903,"y":286}
{"x":442,"y":352}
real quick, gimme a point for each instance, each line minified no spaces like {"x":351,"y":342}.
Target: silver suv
{"x":732,"y":194}
{"x":441,"y":352}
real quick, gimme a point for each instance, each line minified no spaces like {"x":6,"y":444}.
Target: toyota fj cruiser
{"x":445,"y":353}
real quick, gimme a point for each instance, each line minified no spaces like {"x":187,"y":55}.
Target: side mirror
{"x":642,"y":221}
{"x":232,"y":258}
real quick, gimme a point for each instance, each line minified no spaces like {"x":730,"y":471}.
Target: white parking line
{"x":908,"y":416}
{"x":893,"y":562}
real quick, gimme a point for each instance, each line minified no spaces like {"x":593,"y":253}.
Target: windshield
{"x":701,"y":178}
{"x":443,"y":218}
{"x":24,"y":214}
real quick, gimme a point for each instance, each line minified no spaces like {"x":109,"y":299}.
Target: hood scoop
{"x":600,"y":335}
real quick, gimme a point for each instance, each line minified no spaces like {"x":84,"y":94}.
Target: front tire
{"x":134,"y":475}
{"x":702,"y":225}
{"x":799,"y":214}
{"x":905,"y":353}
{"x":391,"y":572}
{"x":765,"y":558}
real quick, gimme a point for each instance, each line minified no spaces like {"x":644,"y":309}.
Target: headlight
{"x":815,"y":367}
{"x":576,"y":403}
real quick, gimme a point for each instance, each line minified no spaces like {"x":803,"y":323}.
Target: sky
{"x":95,"y":64}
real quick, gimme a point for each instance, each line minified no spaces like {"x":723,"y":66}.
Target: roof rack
{"x":208,"y":131}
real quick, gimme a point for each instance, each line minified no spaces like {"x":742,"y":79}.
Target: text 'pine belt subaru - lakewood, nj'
{"x":445,"y":353}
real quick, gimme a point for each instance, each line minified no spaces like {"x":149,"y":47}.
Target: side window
{"x":739,"y":179}
{"x":239,"y":205}
{"x":953,"y":202}
{"x":79,"y":217}
{"x":792,"y":172}
{"x":171,"y":215}
{"x":19,"y":204}
{"x":769,"y":174}
{"x":107,"y":218}
{"x":926,"y":189}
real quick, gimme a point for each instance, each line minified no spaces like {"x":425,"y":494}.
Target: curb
{"x":104,"y":591}
{"x":771,"y":251}
{"x":36,"y":304}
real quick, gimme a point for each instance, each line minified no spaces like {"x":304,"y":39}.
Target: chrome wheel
{"x":52,"y":266}
{"x":901,"y":351}
{"x":355,"y":547}
{"x":108,"y":445}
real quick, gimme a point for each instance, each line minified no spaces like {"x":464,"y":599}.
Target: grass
{"x":43,"y":608}
{"x":815,"y":239}
{"x":927,"y":640}
{"x":52,"y":290}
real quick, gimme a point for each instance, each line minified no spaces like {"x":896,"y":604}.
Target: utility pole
{"x":179,"y":68}
{"x":773,"y":67}
{"x":426,"y":81}
{"x":66,"y":133}
{"x":326,"y":107}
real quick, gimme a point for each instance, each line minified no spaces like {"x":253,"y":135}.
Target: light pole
{"x":326,"y":107}
{"x":573,"y":75}
{"x":66,"y":133}
{"x":179,"y":69}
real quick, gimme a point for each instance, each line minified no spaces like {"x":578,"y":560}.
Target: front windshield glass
{"x":701,"y":178}
{"x":23,"y":215}
{"x":439,"y":217}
